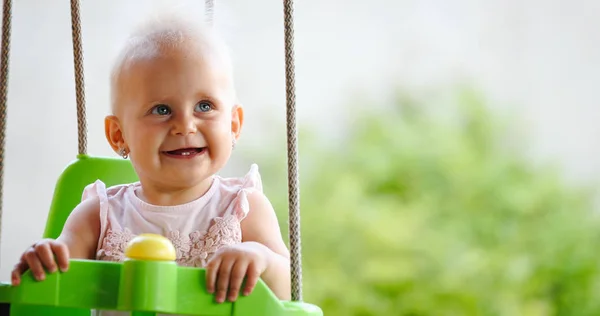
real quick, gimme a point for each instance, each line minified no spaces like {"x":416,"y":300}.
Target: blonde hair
{"x":164,"y":32}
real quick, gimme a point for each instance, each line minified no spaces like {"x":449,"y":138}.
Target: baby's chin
{"x":183,"y":178}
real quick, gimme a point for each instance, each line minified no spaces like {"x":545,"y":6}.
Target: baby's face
{"x":178,"y":116}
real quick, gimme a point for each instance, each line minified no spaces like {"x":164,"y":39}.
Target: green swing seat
{"x":142,"y":287}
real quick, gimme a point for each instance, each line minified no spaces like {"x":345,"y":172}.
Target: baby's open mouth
{"x":185,"y":151}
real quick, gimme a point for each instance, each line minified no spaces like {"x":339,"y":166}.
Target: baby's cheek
{"x":219,"y":142}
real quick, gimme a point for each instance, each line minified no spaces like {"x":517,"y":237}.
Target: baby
{"x":175,"y":115}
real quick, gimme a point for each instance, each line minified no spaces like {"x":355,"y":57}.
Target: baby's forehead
{"x":166,"y":59}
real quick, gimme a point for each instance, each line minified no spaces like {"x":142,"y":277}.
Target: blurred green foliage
{"x":417,"y":214}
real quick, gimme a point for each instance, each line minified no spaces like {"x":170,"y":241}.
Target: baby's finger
{"x":15,"y":278}
{"x":35,"y":265}
{"x":212,"y":268}
{"x":238,"y":271}
{"x":223,"y":280}
{"x":61,"y":251}
{"x":252,"y":276}
{"x":18,"y":270}
{"x":45,"y":256}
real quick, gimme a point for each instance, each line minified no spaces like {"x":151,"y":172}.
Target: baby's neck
{"x":157,"y":194}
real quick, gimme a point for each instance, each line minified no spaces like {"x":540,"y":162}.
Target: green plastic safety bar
{"x":142,"y":287}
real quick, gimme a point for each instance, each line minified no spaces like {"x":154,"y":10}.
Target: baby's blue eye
{"x":203,"y":106}
{"x":161,"y":109}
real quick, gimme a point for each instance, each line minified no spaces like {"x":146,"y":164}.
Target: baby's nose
{"x":184,"y":126}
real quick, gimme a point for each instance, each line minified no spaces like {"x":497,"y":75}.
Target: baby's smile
{"x":185,"y":153}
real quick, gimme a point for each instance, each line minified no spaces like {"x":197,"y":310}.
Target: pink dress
{"x":197,"y":229}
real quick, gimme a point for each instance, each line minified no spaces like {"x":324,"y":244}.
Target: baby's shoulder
{"x":231,"y":193}
{"x":98,"y":189}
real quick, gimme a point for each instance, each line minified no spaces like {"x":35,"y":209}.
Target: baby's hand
{"x":231,"y":264}
{"x":39,"y":256}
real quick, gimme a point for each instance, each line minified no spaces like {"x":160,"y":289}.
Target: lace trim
{"x":193,"y":250}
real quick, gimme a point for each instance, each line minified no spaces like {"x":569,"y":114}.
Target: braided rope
{"x":293,"y":187}
{"x":79,"y":79}
{"x":209,"y":8}
{"x":4,"y":61}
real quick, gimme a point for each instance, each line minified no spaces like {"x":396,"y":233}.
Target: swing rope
{"x":79,"y":78}
{"x":4,"y":63}
{"x":292,"y":141}
{"x":209,"y":9}
{"x":293,"y":186}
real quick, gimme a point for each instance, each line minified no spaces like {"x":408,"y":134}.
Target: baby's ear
{"x":237,"y":120}
{"x":114,"y":135}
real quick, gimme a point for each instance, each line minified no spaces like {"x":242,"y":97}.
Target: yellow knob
{"x":150,"y":247}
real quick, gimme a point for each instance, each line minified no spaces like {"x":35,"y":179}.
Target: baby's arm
{"x":82,"y":230}
{"x":78,"y":240}
{"x":261,"y":226}
{"x":262,"y":253}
